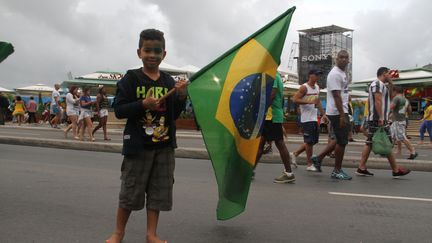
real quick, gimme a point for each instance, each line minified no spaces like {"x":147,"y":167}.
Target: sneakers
{"x":267,"y":149}
{"x":293,"y":160}
{"x":413,"y":156}
{"x":401,"y":172}
{"x":316,"y":163}
{"x":364,"y":172}
{"x":311,"y":168}
{"x":285,"y":178}
{"x":340,"y":175}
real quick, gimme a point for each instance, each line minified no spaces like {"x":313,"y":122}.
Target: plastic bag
{"x":381,"y":143}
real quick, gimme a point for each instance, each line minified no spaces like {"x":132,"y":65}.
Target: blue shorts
{"x":310,"y":132}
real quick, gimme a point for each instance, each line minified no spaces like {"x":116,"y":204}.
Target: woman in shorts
{"x":102,"y":106}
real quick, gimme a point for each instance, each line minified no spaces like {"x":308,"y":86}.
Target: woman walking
{"x":86,"y":114}
{"x":19,"y":110}
{"x":102,"y":105}
{"x":72,"y":111}
{"x":427,"y":123}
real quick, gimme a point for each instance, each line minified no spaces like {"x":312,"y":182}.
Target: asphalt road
{"x":193,"y":139}
{"x":54,"y":195}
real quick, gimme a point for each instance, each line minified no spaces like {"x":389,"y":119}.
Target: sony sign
{"x":315,"y":58}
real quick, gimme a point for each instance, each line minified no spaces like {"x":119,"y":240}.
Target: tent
{"x":35,"y":89}
{"x":4,"y":90}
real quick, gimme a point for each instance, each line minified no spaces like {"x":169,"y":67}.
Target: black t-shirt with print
{"x":145,"y":128}
{"x":154,"y":124}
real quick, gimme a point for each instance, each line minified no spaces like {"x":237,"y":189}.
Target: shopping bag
{"x":381,"y":143}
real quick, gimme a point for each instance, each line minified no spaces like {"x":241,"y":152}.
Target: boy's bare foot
{"x":420,"y":143}
{"x":116,"y":237}
{"x":154,"y":239}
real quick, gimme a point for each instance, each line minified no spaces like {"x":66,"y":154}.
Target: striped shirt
{"x":378,"y":86}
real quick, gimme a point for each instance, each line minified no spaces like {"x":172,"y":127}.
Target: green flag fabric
{"x":5,"y":50}
{"x":230,"y":97}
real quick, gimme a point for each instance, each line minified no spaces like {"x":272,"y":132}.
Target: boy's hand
{"x":150,"y":103}
{"x":181,"y":86}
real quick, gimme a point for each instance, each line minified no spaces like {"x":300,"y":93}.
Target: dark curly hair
{"x":151,"y":34}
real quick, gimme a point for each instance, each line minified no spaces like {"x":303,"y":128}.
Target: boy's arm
{"x":180,"y":98}
{"x":125,"y":106}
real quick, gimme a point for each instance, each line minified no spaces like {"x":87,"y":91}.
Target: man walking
{"x":55,"y":108}
{"x":273,"y":131}
{"x":379,"y":109}
{"x":337,"y":112}
{"x":398,"y":108}
{"x":31,"y":109}
{"x":307,"y":98}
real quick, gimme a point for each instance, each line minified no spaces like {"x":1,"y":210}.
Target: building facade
{"x":318,"y":48}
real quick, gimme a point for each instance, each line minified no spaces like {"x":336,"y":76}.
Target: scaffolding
{"x":318,"y":48}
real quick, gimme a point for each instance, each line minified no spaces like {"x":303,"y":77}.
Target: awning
{"x":4,"y":90}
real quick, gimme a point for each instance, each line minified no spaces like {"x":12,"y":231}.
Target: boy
{"x":147,"y":172}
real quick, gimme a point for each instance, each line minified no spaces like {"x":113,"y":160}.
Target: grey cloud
{"x":401,"y":39}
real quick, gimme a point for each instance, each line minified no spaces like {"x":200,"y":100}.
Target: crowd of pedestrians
{"x":386,"y":108}
{"x":77,"y":111}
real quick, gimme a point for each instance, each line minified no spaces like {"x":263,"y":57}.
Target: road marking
{"x":381,"y":196}
{"x":14,"y":133}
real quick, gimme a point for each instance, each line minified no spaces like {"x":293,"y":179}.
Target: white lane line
{"x":380,"y":196}
{"x":18,"y":134}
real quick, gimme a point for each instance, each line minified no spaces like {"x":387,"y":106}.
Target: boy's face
{"x":151,"y":53}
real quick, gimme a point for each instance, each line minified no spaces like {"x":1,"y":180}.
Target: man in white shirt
{"x":55,"y":108}
{"x":337,"y":111}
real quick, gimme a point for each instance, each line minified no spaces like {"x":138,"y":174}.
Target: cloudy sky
{"x":52,"y":38}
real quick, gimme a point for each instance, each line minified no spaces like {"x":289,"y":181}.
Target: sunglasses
{"x":155,"y":50}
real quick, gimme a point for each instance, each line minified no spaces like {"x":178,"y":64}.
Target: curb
{"x":196,"y":153}
{"x":185,"y":134}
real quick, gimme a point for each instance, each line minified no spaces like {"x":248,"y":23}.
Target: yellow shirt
{"x":426,"y":115}
{"x":366,"y":110}
{"x":269,"y":115}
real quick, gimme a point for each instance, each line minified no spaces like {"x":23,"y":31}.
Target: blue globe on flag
{"x":249,"y":102}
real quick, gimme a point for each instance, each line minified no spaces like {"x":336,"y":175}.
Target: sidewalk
{"x":197,"y":153}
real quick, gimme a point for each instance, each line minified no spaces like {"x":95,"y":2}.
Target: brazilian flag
{"x":5,"y":50}
{"x":230,"y":97}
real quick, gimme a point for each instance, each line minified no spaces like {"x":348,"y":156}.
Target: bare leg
{"x":392,"y":162}
{"x":104,"y":127}
{"x":74,"y":125}
{"x":152,"y":222}
{"x":409,"y":146}
{"x":309,"y":151}
{"x":82,"y":129}
{"x":122,"y":219}
{"x":364,"y":157}
{"x":283,"y":151}
{"x":89,"y":125}
{"x":339,"y":155}
{"x":327,"y":150}
{"x":300,"y":150}
{"x":98,"y":126}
